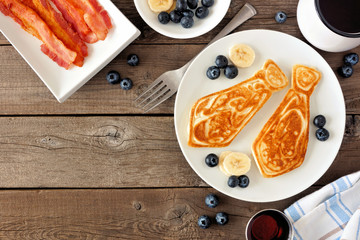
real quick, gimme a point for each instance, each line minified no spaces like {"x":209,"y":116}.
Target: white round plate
{"x":327,"y":99}
{"x":201,"y":26}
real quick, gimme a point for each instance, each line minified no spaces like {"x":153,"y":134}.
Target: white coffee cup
{"x":317,"y":31}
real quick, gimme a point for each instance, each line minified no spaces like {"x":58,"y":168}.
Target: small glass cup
{"x":271,"y":223}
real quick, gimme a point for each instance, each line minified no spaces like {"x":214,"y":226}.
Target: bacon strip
{"x":7,"y":12}
{"x":89,"y":18}
{"x":74,"y":15}
{"x":60,"y":28}
{"x":104,"y":14}
{"x":32,"y":23}
{"x":96,"y":17}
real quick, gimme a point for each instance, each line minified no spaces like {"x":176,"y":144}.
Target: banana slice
{"x":221,"y":162}
{"x":172,"y":7}
{"x":236,"y":163}
{"x":242,"y":55}
{"x":160,"y":5}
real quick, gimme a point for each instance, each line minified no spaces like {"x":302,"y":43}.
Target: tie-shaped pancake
{"x":282,"y":143}
{"x":216,"y":119}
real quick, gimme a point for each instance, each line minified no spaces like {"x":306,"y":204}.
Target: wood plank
{"x":22,"y":93}
{"x":92,"y":152}
{"x":123,"y":214}
{"x":113,"y":152}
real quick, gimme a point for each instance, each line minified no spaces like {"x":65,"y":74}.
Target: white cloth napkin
{"x":333,"y":212}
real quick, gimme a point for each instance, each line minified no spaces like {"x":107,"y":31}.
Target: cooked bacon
{"x":63,"y":34}
{"x":88,"y":12}
{"x":60,"y":28}
{"x":74,"y":15}
{"x":31,"y":22}
{"x":61,"y":62}
{"x":7,"y":12}
{"x":104,"y":14}
{"x":96,"y":17}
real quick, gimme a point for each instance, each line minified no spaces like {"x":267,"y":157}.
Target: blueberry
{"x":322,"y":134}
{"x":202,"y":12}
{"x":133,"y":60}
{"x":126,"y":84}
{"x":187,"y":13}
{"x":213,"y":72}
{"x":280,"y":17}
{"x":192,"y":4}
{"x":319,"y":121}
{"x":231,"y":71}
{"x":181,"y":5}
{"x":164,"y":17}
{"x":204,"y":221}
{"x":233,"y":181}
{"x":175,"y":16}
{"x":187,"y":22}
{"x":221,"y":218}
{"x":212,"y":160}
{"x":243,"y":181}
{"x":211,"y":200}
{"x":351,"y":58}
{"x":207,"y":3}
{"x":221,"y":61}
{"x":346,"y":70}
{"x":113,"y":77}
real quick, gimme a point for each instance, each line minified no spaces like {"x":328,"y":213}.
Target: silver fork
{"x":167,"y":84}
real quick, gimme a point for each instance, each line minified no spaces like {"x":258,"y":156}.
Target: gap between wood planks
{"x":119,"y":188}
{"x":91,"y":115}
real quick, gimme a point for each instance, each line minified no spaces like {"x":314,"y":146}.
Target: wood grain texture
{"x":123,"y":214}
{"x":92,"y":152}
{"x":99,"y":139}
{"x":114,"y":152}
{"x":22,"y":93}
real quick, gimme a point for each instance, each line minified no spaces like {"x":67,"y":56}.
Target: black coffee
{"x":341,"y":16}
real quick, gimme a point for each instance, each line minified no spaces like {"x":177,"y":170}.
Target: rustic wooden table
{"x":96,"y":167}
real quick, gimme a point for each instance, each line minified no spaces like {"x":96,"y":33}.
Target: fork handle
{"x":246,"y":12}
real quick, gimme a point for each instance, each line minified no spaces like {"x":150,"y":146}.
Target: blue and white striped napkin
{"x":333,"y":212}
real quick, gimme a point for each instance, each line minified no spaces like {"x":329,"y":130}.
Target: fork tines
{"x":155,"y":94}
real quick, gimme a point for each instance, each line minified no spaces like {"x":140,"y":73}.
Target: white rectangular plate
{"x":61,"y":82}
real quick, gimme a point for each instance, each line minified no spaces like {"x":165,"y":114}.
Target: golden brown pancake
{"x":216,"y":119}
{"x":281,"y":145}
